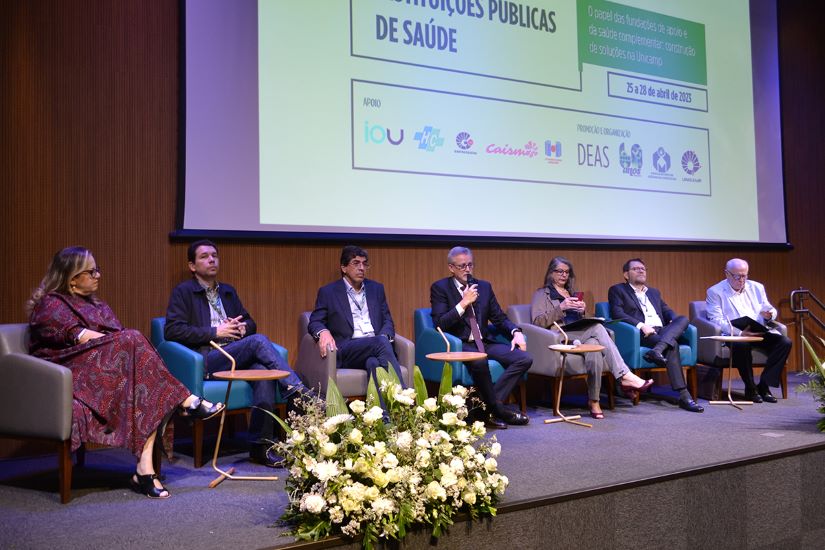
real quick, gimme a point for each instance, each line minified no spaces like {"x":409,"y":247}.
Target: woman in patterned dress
{"x":123,"y":393}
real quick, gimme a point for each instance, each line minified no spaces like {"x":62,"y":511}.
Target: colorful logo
{"x":661,"y":160}
{"x":464,"y":143}
{"x":429,"y":138}
{"x":552,"y":151}
{"x":379,"y":134}
{"x":631,"y":163}
{"x":690,"y":163}
{"x":529,"y":150}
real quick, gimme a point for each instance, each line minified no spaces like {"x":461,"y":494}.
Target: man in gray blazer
{"x":735,"y":297}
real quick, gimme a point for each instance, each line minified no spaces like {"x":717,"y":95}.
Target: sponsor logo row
{"x":631,"y":156}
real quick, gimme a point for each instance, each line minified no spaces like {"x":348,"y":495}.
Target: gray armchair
{"x":315,"y":370}
{"x":547,"y":362}
{"x":713,"y":353}
{"x":36,"y":400}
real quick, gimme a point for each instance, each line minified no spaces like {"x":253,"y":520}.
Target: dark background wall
{"x":89,"y":130}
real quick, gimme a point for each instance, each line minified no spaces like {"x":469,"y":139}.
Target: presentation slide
{"x":539,"y":120}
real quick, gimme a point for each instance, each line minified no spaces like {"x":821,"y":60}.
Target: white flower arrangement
{"x":352,"y":472}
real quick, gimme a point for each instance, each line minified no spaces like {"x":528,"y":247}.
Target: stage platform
{"x":651,"y":476}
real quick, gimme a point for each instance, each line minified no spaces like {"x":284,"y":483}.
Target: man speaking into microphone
{"x":463,"y":306}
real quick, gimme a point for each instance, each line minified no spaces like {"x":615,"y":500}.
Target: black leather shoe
{"x":261,"y":452}
{"x":765,"y":394}
{"x":691,"y":405}
{"x":653,"y":356}
{"x":514,"y":418}
{"x":494,"y":423}
{"x":753,"y":395}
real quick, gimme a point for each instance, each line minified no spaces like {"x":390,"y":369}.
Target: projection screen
{"x":543,"y":120}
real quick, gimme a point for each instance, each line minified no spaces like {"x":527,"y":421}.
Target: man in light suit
{"x":459,"y":302}
{"x":735,"y":297}
{"x":352,"y":316}
{"x":637,"y":304}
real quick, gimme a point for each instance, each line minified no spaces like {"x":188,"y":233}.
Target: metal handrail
{"x":798,"y":298}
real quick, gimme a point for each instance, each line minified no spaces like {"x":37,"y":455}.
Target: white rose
{"x":297,"y":437}
{"x":373,"y":415}
{"x":331,"y":424}
{"x":469,"y":497}
{"x":329,"y":449}
{"x":495,"y":449}
{"x":326,"y":470}
{"x":383,"y":506}
{"x":394,"y":475}
{"x":422,"y":459}
{"x":390,"y":461}
{"x":460,"y":390}
{"x":462,"y":435}
{"x":457,"y":465}
{"x":419,"y":410}
{"x":478,"y":428}
{"x":422,"y":442}
{"x":357,"y":406}
{"x":404,"y":440}
{"x":448,"y":479}
{"x":490,"y":464}
{"x":454,"y":400}
{"x":371,"y":493}
{"x":380,"y":478}
{"x":404,"y":396}
{"x":314,"y":504}
{"x":430,"y":404}
{"x":435,"y":491}
{"x":356,"y":436}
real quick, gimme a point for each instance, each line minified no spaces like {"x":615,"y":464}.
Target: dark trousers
{"x":776,"y":346}
{"x":256,"y":352}
{"x":515,"y":363}
{"x":670,"y":335}
{"x":368,"y":353}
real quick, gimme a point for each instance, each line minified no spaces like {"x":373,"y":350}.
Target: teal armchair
{"x":186,"y":365}
{"x":429,"y":340}
{"x":628,"y":340}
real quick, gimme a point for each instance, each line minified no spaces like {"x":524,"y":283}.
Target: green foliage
{"x":420,"y":386}
{"x":816,"y":384}
{"x":336,"y":404}
{"x":446,"y":381}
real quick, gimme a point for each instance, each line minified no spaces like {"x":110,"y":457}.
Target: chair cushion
{"x":239,"y":398}
{"x":14,"y":338}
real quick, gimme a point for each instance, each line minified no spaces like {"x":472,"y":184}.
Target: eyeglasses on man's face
{"x":359,"y":264}
{"x":639,"y":268}
{"x":463,"y":267}
{"x":737,"y":276}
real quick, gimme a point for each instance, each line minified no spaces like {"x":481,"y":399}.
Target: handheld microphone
{"x":471,"y":281}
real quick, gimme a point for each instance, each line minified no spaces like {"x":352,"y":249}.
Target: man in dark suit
{"x":201,"y":310}
{"x":352,"y":316}
{"x":635,"y":303}
{"x":463,"y":306}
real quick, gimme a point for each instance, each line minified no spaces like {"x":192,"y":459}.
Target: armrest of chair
{"x":184,"y":363}
{"x":545,"y":361}
{"x":707,"y":350}
{"x":690,"y":338}
{"x":628,"y":340}
{"x":405,"y":352}
{"x":313,"y":369}
{"x":35,"y":397}
{"x":282,"y":351}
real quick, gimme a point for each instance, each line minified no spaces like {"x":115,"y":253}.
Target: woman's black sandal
{"x":145,"y":485}
{"x":201,"y":411}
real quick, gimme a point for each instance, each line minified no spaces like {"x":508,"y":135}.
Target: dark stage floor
{"x":632,"y":443}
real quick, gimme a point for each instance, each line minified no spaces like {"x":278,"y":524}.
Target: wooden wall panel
{"x":88,"y":123}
